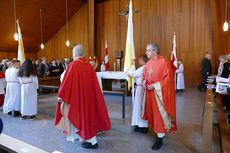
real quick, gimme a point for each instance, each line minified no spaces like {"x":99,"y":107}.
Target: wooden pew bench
{"x":208,"y":122}
{"x":53,"y":81}
{"x":11,"y":144}
{"x":49,"y":87}
{"x":49,"y":83}
{"x":224,"y":129}
{"x":117,"y":93}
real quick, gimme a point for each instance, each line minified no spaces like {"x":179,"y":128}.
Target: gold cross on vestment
{"x":150,"y":71}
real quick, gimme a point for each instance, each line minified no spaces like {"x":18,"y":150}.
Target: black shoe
{"x":32,"y":117}
{"x":158,"y":143}
{"x":89,"y":145}
{"x":9,"y":113}
{"x":23,"y":117}
{"x":17,"y":113}
{"x":141,"y":130}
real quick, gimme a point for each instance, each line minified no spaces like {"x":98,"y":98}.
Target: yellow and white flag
{"x":129,"y":50}
{"x":21,"y":54}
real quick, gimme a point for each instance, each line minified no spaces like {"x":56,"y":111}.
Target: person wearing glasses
{"x":159,"y":108}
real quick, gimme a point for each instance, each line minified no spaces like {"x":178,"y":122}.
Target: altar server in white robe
{"x":12,"y":101}
{"x":180,"y":77}
{"x":137,"y":121}
{"x":29,"y":84}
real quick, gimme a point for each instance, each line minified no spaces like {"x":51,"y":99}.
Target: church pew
{"x":208,"y":122}
{"x":53,"y":81}
{"x":49,"y":87}
{"x":117,"y":93}
{"x":11,"y":144}
{"x":224,"y":129}
{"x":50,"y":83}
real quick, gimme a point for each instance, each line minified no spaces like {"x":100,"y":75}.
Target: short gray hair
{"x":154,"y":46}
{"x":79,"y":50}
{"x":228,"y":57}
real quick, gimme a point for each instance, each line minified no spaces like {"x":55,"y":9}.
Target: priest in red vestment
{"x":81,"y":109}
{"x":2,"y":87}
{"x":159,"y":107}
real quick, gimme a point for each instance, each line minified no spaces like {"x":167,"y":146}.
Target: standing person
{"x":180,"y":77}
{"x":206,"y":70}
{"x":226,"y":67}
{"x":222,"y":60}
{"x":54,"y":69}
{"x":12,"y":101}
{"x":29,"y":85}
{"x":86,"y":109}
{"x":44,"y":68}
{"x":37,"y":67}
{"x":141,"y":125}
{"x":61,"y":66}
{"x":6,"y":64}
{"x":2,"y":87}
{"x":103,"y":66}
{"x":160,"y":108}
{"x":68,"y":61}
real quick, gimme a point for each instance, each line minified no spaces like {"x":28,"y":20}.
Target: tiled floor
{"x":120,"y":139}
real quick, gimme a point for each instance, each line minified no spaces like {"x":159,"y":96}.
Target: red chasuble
{"x":81,"y":90}
{"x":159,"y":72}
{"x":1,"y":96}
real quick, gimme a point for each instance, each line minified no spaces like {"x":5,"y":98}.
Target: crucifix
{"x":126,"y":12}
{"x":150,"y":72}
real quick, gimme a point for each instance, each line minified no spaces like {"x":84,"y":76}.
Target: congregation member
{"x":226,"y":66}
{"x":226,"y":74}
{"x":180,"y":77}
{"x":222,"y":60}
{"x":159,"y":108}
{"x":29,"y":85}
{"x":53,"y":68}
{"x":37,"y":67}
{"x":206,"y":70}
{"x":61,"y":66}
{"x":137,"y":121}
{"x":85,"y":107}
{"x":2,"y":87}
{"x":44,"y":68}
{"x":5,"y":65}
{"x":68,"y":61}
{"x":12,"y":101}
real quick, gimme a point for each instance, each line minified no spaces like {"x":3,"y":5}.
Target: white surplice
{"x":29,"y":86}
{"x":12,"y":99}
{"x":137,"y":105}
{"x":180,"y":77}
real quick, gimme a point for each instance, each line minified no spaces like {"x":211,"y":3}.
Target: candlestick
{"x":114,"y":66}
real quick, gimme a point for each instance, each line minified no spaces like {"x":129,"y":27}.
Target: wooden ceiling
{"x":28,"y":13}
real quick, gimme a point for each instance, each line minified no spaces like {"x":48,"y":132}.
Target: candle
{"x":114,"y":66}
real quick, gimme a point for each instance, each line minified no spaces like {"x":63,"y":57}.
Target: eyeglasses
{"x":148,"y":50}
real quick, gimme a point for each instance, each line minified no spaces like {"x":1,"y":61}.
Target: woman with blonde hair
{"x":222,"y":60}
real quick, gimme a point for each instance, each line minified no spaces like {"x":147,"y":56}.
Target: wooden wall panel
{"x":11,"y":55}
{"x":221,"y":38}
{"x":56,"y":47}
{"x":156,"y":22}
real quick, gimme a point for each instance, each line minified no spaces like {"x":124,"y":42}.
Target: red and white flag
{"x":174,"y":54}
{"x":106,"y":57}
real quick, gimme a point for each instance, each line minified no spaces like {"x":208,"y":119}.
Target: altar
{"x":113,"y":75}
